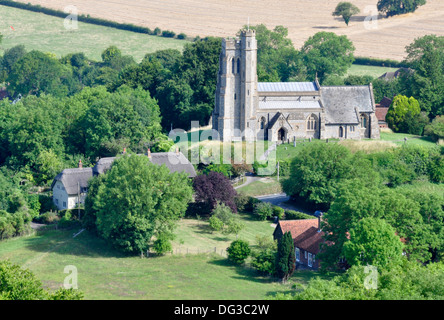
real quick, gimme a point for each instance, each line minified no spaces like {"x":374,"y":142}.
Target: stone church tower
{"x":236,"y":91}
{"x":284,"y":111}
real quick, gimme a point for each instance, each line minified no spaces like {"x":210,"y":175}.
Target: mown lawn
{"x":42,"y":32}
{"x":263,"y":186}
{"x":364,"y":70}
{"x":104,"y":273}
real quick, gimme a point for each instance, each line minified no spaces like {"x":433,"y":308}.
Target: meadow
{"x":104,"y":273}
{"x":48,"y":34}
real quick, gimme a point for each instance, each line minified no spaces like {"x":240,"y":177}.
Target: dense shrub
{"x":264,"y":255}
{"x":278,"y":212}
{"x":238,"y":251}
{"x":263,"y":210}
{"x":168,"y":34}
{"x":162,"y":244}
{"x":296,"y":215}
{"x":435,"y":130}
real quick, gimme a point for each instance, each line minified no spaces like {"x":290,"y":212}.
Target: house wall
{"x":304,"y":261}
{"x":63,"y":200}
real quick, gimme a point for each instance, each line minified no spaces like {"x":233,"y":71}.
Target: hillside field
{"x":47,"y":33}
{"x":385,"y":39}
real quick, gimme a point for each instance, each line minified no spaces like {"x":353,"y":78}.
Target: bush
{"x":296,"y":215}
{"x":168,"y":34}
{"x":181,"y":36}
{"x":162,"y":244}
{"x":278,"y":212}
{"x":49,"y":217}
{"x":264,"y":210}
{"x":238,"y":251}
{"x":264,"y":257}
{"x":242,"y":202}
{"x":435,"y":130}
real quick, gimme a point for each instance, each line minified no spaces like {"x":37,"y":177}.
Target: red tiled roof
{"x":304,"y":233}
{"x":309,"y":240}
{"x":296,"y":227}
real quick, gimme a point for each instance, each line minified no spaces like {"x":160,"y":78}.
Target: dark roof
{"x":384,"y":103}
{"x":73,"y":178}
{"x":309,"y":240}
{"x":394,"y":74}
{"x":175,"y":162}
{"x":343,"y":103}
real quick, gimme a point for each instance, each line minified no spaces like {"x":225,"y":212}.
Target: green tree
{"x":238,"y":251}
{"x":401,"y":109}
{"x":326,"y":54}
{"x":263,"y":210}
{"x":345,"y":10}
{"x":137,"y":200}
{"x":426,"y":57}
{"x":224,"y":220}
{"x":17,"y":283}
{"x":373,"y":242}
{"x":36,"y":73}
{"x":285,"y":258}
{"x":435,"y":129}
{"x":395,"y":7}
{"x":10,"y":57}
{"x":277,"y":58}
{"x":264,"y":255}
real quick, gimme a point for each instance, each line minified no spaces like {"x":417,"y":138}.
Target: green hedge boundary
{"x":91,"y":20}
{"x":380,"y":62}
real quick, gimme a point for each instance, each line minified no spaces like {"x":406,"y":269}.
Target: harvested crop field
{"x":303,"y":18}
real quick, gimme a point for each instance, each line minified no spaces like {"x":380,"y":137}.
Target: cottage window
{"x":64,"y":204}
{"x":310,"y":260}
{"x":56,"y":201}
{"x":305,"y":254}
{"x":298,"y":254}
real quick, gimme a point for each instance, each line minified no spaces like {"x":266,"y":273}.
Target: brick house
{"x":381,"y":111}
{"x":307,"y":237}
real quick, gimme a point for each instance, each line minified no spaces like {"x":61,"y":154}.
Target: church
{"x":284,"y":111}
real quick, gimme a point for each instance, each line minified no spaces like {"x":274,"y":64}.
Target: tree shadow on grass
{"x":85,"y":244}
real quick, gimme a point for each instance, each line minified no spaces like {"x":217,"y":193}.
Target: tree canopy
{"x":345,"y":10}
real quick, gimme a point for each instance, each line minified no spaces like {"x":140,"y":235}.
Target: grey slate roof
{"x":286,"y":86}
{"x":73,"y":178}
{"x":341,"y":103}
{"x":174,"y":162}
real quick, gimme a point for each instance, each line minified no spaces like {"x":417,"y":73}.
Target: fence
{"x":199,"y":250}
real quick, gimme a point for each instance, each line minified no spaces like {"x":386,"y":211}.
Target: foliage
{"x":395,"y":7}
{"x":162,"y":244}
{"x":17,"y":283}
{"x":278,"y":212}
{"x":214,"y":187}
{"x":326,"y":53}
{"x":400,"y":113}
{"x":285,"y":258}
{"x":264,"y":255}
{"x":263,"y":210}
{"x":224,"y":220}
{"x":319,"y":167}
{"x":373,"y":242}
{"x":435,"y":129}
{"x":345,"y":10}
{"x":137,"y":200}
{"x":238,"y":251}
{"x":296,"y":215}
{"x":426,"y":57}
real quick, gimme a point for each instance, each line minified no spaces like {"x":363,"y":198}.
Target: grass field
{"x":364,"y":70}
{"x":381,"y":37}
{"x":104,"y":273}
{"x":263,"y":186}
{"x":48,"y":34}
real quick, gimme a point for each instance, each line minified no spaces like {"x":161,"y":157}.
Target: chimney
{"x":177,"y":151}
{"x":80,"y":164}
{"x":319,"y":215}
{"x":149,"y":153}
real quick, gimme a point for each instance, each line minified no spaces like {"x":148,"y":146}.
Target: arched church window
{"x":341,"y":132}
{"x":262,"y":123}
{"x":232,"y":66}
{"x":311,"y":123}
{"x":363,"y":121}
